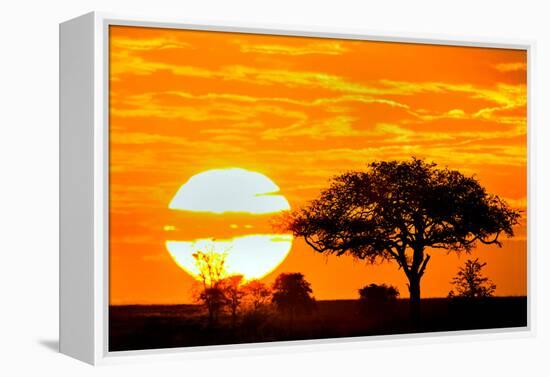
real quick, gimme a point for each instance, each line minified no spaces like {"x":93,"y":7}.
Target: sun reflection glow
{"x":253,"y":256}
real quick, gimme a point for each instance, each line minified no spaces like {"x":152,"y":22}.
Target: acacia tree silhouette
{"x":396,"y":210}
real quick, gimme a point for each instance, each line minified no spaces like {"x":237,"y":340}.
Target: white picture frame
{"x":84,"y":212}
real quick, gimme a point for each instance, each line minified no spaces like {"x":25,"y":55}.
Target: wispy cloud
{"x":320,"y":48}
{"x":149,"y":105}
{"x":502,"y":94}
{"x":147,"y":44}
{"x":511,"y":67}
{"x":326,"y":128}
{"x":146,"y":138}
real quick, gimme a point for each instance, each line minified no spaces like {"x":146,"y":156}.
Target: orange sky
{"x":301,"y":110}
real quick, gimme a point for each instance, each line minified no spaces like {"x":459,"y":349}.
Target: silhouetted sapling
{"x":212,"y":272}
{"x":469,"y":282}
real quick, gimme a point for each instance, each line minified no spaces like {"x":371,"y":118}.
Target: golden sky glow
{"x":297,"y":111}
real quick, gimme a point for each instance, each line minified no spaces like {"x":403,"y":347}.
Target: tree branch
{"x":393,"y":254}
{"x":494,"y":241}
{"x":424,"y":264}
{"x":313,"y":245}
{"x":402,"y":260}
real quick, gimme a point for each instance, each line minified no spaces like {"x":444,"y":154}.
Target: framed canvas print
{"x":244,"y":187}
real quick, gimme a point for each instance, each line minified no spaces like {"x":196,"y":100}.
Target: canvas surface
{"x":222,"y":145}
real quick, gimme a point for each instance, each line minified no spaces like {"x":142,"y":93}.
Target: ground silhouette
{"x":164,"y":326}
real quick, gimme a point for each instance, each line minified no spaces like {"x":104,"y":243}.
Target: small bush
{"x":375,"y":298}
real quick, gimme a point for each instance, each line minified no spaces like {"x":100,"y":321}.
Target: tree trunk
{"x":291,"y":320}
{"x":233,"y":317}
{"x":210,"y":316}
{"x":414,"y":300}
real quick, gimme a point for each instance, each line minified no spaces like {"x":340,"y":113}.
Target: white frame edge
{"x":76,"y":179}
{"x":84,"y":117}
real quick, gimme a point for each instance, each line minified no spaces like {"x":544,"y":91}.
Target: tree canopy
{"x":292,"y":294}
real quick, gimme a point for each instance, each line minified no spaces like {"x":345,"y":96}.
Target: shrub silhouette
{"x":378,"y":293}
{"x":374,"y":298}
{"x":396,"y":210}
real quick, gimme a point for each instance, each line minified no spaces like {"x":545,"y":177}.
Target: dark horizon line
{"x":327,"y":300}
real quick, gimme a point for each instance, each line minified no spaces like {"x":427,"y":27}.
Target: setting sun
{"x":236,"y":198}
